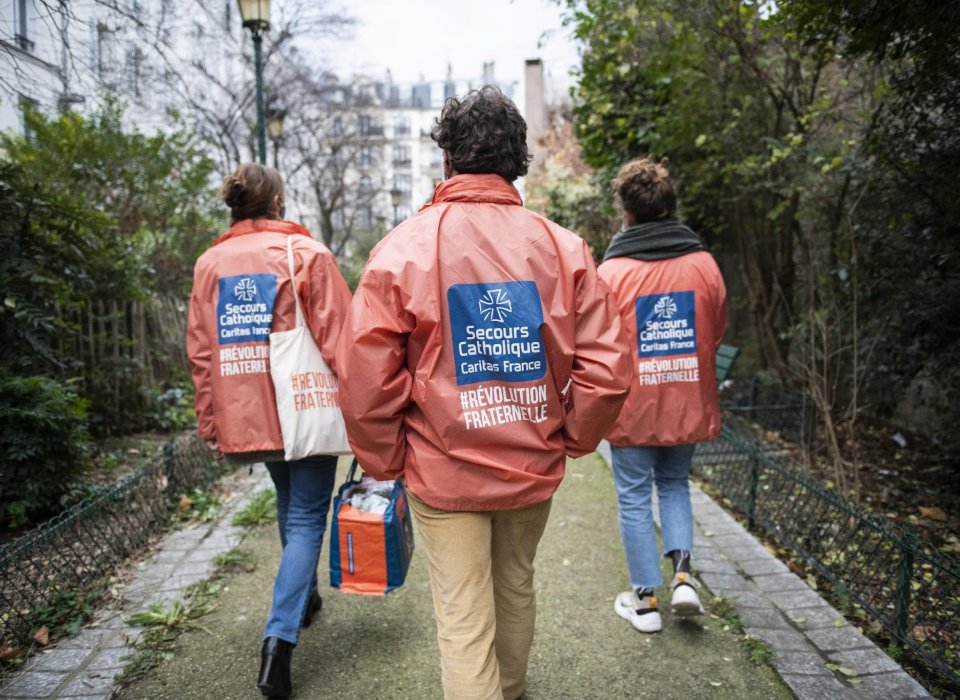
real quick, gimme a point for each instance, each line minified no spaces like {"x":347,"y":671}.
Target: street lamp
{"x":395,"y":200}
{"x":256,"y":17}
{"x":275,"y":116}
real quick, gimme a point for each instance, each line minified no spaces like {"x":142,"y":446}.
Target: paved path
{"x":778,"y":607}
{"x":84,"y":666}
{"x":579,"y":639}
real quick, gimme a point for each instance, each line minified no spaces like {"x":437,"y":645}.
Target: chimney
{"x":535,"y":110}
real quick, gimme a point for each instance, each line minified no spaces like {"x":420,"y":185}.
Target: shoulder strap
{"x":293,"y":281}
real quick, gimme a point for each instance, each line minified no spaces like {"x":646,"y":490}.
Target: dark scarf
{"x":654,"y":240}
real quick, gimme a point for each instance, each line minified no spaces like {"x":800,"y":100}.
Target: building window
{"x":366,"y":185}
{"x":134,"y":68}
{"x":22,"y":26}
{"x":27,"y":105}
{"x":365,"y":157}
{"x":337,"y":129}
{"x":401,"y":126}
{"x":365,"y":125}
{"x":401,"y":155}
{"x":106,"y":55}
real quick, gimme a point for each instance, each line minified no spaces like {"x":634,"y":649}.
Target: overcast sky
{"x":418,"y":38}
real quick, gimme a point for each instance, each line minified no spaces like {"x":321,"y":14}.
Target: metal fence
{"x":774,"y":407}
{"x":73,"y":551}
{"x":908,"y":586}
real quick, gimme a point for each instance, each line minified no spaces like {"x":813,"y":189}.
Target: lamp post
{"x":395,"y":200}
{"x":275,"y":116}
{"x":256,"y":17}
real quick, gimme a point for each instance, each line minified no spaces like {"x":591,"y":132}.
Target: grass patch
{"x":236,"y":560}
{"x":197,"y":504}
{"x":756,"y":650}
{"x":261,"y":510}
{"x":722,"y":611}
{"x":163,"y":625}
{"x":760,"y":654}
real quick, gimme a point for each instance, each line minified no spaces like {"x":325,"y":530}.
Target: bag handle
{"x":353,"y":470}
{"x":293,"y":281}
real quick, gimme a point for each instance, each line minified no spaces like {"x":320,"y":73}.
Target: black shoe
{"x":274,"y":681}
{"x":314,"y":604}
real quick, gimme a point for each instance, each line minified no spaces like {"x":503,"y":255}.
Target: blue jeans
{"x":635,"y":470}
{"x":304,"y":491}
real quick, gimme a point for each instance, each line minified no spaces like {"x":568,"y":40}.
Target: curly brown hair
{"x":483,"y":133}
{"x":644,"y":190}
{"x":253,"y":191}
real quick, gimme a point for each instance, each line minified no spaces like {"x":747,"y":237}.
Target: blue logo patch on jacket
{"x":496,"y":332}
{"x":245,"y":308}
{"x":666,"y":324}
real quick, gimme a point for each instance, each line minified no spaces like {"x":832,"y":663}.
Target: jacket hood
{"x":492,"y":189}
{"x":242,"y":228}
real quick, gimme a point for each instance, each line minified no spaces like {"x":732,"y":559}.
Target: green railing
{"x":78,"y":548}
{"x":908,"y":586}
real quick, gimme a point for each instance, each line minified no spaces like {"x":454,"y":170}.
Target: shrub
{"x":43,"y":442}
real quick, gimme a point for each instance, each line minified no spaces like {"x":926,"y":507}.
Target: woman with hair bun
{"x":241,"y":292}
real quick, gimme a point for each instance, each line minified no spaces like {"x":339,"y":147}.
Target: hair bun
{"x":233,"y":192}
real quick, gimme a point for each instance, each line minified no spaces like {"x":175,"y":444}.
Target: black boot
{"x":314,"y":603}
{"x":274,"y":681}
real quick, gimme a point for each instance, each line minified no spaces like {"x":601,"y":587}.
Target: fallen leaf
{"x":855,"y":681}
{"x":839,"y":622}
{"x":8,"y":653}
{"x":42,"y":636}
{"x":832,"y":667}
{"x":716,"y":684}
{"x":185,"y":502}
{"x":847,"y":671}
{"x":811,"y":581}
{"x":933,"y":513}
{"x":566,"y":562}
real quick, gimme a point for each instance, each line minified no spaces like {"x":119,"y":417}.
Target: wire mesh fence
{"x":908,"y":586}
{"x":88,"y":542}
{"x":774,"y":407}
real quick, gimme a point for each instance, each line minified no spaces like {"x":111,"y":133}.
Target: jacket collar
{"x":242,"y":228}
{"x":491,"y":189}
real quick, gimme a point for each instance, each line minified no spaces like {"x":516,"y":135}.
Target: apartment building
{"x":357,"y":152}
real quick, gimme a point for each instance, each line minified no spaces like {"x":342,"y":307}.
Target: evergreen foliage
{"x":43,"y":440}
{"x":815,"y":149}
{"x":100,"y":226}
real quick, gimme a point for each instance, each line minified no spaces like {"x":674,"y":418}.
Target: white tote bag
{"x":307,"y":391}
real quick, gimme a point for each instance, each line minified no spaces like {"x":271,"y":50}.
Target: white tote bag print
{"x":307,"y":390}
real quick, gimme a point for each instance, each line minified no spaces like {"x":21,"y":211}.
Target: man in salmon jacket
{"x":673,"y":304}
{"x":481,"y":348}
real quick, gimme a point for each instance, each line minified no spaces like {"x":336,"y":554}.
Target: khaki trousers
{"x":481,"y":575}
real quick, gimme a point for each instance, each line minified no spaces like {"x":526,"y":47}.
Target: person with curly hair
{"x":480,"y":350}
{"x":672,"y":301}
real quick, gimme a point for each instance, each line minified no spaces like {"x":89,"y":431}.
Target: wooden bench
{"x":726,"y":356}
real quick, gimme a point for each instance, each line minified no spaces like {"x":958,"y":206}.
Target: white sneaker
{"x":685,"y":601}
{"x":640,"y":612}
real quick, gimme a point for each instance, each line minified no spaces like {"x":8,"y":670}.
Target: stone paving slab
{"x":775,"y":606}
{"x":800,"y":627}
{"x":84,"y":666}
{"x":779,"y":608}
